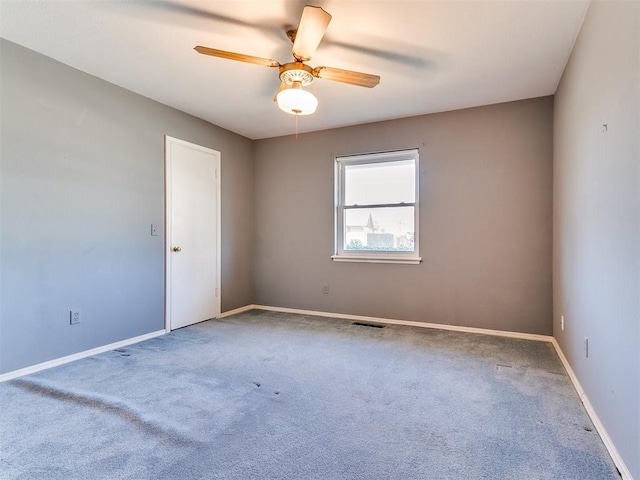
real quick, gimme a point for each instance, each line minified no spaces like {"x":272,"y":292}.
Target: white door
{"x":192,"y":233}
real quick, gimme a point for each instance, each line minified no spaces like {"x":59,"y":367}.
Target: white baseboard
{"x":228,"y":313}
{"x":604,"y":435}
{"x":390,"y":321}
{"x":77,"y":356}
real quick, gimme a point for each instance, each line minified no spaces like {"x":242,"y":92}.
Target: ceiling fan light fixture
{"x":296,"y":72}
{"x":296,"y":101}
{"x":290,"y":96}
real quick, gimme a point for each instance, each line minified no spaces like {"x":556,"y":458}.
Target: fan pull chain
{"x":296,"y":126}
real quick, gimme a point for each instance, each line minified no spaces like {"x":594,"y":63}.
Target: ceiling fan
{"x":294,"y":75}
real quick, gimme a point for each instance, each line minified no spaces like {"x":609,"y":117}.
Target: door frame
{"x":168,"y":141}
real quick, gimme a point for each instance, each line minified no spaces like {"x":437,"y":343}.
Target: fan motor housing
{"x":296,"y":72}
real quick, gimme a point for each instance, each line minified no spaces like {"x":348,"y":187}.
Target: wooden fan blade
{"x":236,"y":56}
{"x":313,"y":24}
{"x":347,"y":76}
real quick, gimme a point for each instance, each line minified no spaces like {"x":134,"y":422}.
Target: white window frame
{"x":342,"y":255}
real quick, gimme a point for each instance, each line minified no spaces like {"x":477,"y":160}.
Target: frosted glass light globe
{"x":296,"y":101}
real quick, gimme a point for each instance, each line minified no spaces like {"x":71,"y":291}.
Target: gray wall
{"x":596,"y":264}
{"x":485,"y":221}
{"x":82,"y":179}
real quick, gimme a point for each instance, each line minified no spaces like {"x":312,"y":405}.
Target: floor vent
{"x":367,"y":324}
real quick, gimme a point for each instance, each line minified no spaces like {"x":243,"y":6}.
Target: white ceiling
{"x":432,"y":55}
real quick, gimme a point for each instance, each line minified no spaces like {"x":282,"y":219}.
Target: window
{"x":377,"y":208}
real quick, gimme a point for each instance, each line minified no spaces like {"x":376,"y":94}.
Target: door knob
{"x":177,"y":249}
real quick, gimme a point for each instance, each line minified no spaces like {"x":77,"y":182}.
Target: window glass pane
{"x":380,"y":183}
{"x":379,"y":229}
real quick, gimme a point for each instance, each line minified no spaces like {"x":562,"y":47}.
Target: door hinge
{"x":216,"y":292}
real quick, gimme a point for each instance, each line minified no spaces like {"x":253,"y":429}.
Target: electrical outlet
{"x":154,"y":230}
{"x":586,"y":347}
{"x":74,"y":317}
{"x":562,"y":322}
{"x":325,"y":289}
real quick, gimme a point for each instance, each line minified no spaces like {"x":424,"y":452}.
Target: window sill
{"x":374,"y":259}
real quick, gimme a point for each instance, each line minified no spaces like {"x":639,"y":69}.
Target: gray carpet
{"x":265,"y":395}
